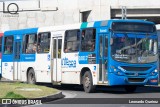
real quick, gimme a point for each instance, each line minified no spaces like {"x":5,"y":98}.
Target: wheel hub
{"x":87,"y":82}
{"x":31,"y":78}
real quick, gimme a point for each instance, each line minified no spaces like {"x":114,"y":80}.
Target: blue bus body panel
{"x":28,"y":57}
{"x":21,"y":32}
{"x":18,"y":36}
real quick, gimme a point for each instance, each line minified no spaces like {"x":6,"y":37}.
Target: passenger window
{"x":59,"y":47}
{"x":106,"y":46}
{"x":55,"y":48}
{"x":30,"y":43}
{"x":88,"y":37}
{"x":8,"y":45}
{"x":71,"y":43}
{"x":44,"y":42}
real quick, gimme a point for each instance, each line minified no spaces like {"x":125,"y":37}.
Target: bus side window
{"x":43,"y":42}
{"x":71,"y":43}
{"x":30,"y":43}
{"x":8,"y":45}
{"x":106,"y":46}
{"x":59,"y":47}
{"x":88,"y":37}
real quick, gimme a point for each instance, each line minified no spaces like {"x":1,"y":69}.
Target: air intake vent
{"x":127,"y":68}
{"x":136,"y":79}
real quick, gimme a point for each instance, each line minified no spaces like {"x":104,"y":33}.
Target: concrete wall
{"x":37,"y":13}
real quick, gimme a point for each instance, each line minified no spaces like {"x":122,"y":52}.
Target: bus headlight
{"x":116,"y":71}
{"x":114,"y":68}
{"x":154,"y":72}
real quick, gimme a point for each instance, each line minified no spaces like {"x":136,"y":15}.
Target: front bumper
{"x":124,"y":80}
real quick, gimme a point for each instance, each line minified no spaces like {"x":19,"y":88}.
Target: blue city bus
{"x":110,"y":53}
{"x":126,"y":52}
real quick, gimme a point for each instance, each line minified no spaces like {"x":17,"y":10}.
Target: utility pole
{"x":124,"y":12}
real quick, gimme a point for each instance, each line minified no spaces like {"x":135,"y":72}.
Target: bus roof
{"x":72,"y":26}
{"x":108,"y":22}
{"x":89,"y":24}
{"x":58,"y":28}
{"x":21,"y":31}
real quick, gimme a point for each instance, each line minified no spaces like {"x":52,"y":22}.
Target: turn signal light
{"x":154,"y":80}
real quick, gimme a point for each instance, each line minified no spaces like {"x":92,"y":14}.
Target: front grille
{"x":128,"y":68}
{"x":136,"y":79}
{"x":135,"y":74}
{"x":130,"y":74}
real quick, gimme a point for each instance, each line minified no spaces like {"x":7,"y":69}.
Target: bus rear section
{"x":1,"y":38}
{"x":18,"y":56}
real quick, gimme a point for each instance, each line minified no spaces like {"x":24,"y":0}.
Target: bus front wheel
{"x":130,"y":88}
{"x":31,"y":77}
{"x":88,"y":83}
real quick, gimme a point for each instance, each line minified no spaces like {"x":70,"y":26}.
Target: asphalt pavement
{"x":114,"y":97}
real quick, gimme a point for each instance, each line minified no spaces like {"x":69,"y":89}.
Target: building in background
{"x":38,"y":13}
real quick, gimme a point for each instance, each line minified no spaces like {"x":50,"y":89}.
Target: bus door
{"x":16,"y":58}
{"x":103,"y":58}
{"x":56,"y":58}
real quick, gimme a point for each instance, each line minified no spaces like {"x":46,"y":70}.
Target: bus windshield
{"x":133,"y":27}
{"x":133,"y":48}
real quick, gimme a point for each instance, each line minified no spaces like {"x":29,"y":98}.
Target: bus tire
{"x":130,"y":88}
{"x":88,"y":83}
{"x":31,"y":79}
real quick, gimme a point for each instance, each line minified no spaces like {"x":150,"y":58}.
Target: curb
{"x":49,"y":98}
{"x":6,"y":80}
{"x":56,"y":95}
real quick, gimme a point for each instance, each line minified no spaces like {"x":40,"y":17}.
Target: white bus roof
{"x":59,"y":28}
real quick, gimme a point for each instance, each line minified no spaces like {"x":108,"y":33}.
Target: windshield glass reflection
{"x":134,"y":48}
